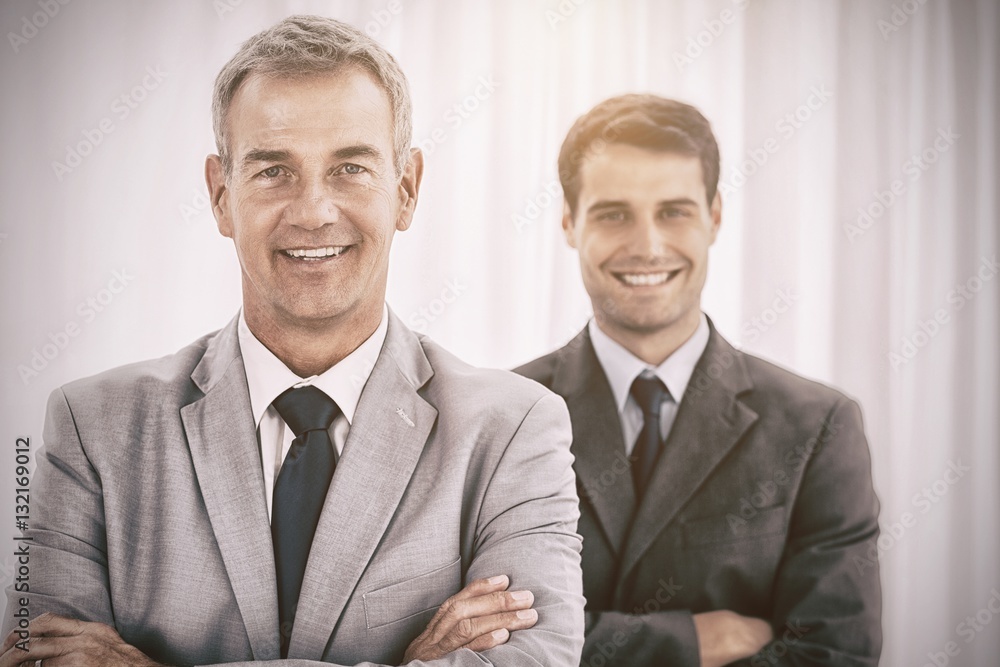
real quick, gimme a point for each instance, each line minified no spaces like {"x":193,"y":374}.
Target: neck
{"x":653,"y":347}
{"x":311,"y":348}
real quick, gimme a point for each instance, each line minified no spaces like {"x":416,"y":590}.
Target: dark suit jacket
{"x":761,"y":503}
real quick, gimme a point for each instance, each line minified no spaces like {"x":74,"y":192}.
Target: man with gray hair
{"x":314,"y":482}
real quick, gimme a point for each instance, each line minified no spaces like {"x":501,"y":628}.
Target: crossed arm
{"x":526,"y":526}
{"x":479,"y":617}
{"x":826,"y":601}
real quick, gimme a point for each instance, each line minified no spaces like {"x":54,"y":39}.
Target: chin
{"x":314,"y":313}
{"x":648,"y":320}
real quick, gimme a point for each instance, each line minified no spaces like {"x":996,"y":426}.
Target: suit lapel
{"x":710,"y":421}
{"x":601,"y":464}
{"x":223,"y":441}
{"x":388,"y":434}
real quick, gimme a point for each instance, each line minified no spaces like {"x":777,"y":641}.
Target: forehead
{"x":622,"y":171}
{"x":345,"y":105}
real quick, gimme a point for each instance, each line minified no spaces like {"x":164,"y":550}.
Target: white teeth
{"x":644,"y":278}
{"x":316,"y":253}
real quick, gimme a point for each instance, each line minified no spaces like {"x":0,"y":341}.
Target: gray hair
{"x":303,"y":45}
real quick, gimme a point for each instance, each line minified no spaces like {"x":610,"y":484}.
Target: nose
{"x":647,"y":238}
{"x":315,"y":204}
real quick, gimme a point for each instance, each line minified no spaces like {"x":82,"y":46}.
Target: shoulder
{"x":777,"y":381}
{"x":575,"y":356}
{"x":460,"y":386}
{"x":162,"y":382}
{"x":783,"y":396}
{"x":542,"y":369}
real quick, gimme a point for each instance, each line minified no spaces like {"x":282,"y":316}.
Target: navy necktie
{"x":649,"y":393}
{"x":299,"y":493}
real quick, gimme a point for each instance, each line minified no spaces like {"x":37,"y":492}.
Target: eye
{"x":676,"y":212}
{"x":353,"y":169}
{"x":612,"y":216}
{"x":271,"y":172}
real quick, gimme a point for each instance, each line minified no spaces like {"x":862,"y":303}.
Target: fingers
{"x":46,"y":624}
{"x":466,"y":620}
{"x":486,"y":642}
{"x":481,"y":587}
{"x":473,"y":589}
{"x":54,"y":639}
{"x":39,"y":648}
{"x":495,"y":630}
{"x":761,"y":632}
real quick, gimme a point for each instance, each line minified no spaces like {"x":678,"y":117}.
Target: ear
{"x":409,"y":188}
{"x":569,"y":229}
{"x":218,"y":193}
{"x":715,"y":212}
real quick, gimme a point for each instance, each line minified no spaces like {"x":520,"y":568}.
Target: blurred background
{"x":859,"y":241}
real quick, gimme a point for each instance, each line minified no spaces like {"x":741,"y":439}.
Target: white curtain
{"x":859,"y":143}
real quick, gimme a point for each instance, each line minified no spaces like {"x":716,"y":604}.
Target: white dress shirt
{"x":268,"y":377}
{"x":622,"y":367}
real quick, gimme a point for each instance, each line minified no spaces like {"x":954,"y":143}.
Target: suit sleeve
{"x":827,"y":597}
{"x":68,"y":552}
{"x":641,"y":640}
{"x":526,"y":529}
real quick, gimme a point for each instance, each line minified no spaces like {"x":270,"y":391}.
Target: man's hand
{"x":65,"y":642}
{"x":724,"y":636}
{"x":480,"y":616}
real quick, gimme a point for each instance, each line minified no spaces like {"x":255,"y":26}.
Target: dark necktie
{"x":299,"y":493}
{"x":649,"y":393}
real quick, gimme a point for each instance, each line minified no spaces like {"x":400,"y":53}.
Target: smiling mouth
{"x":316,"y":254}
{"x":645,"y":279}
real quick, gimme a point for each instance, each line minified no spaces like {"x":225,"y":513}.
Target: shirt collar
{"x":622,"y":367}
{"x":268,"y":376}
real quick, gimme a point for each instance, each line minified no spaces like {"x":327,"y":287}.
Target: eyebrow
{"x":358,"y":150}
{"x":604,"y":205}
{"x":255,"y":155}
{"x":263,"y":155}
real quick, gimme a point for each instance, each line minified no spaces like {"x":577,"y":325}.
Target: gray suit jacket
{"x":149,"y":511}
{"x":761,"y":503}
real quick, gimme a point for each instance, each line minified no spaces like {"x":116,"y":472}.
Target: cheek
{"x":694,"y":243}
{"x":597,"y":249}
